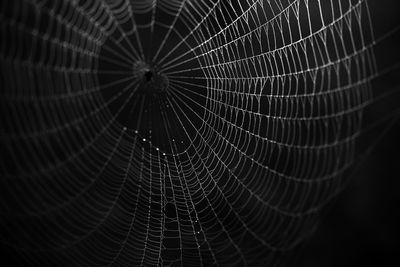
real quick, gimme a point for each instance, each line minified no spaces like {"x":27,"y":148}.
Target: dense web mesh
{"x":176,"y":132}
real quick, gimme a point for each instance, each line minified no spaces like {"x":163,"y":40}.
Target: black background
{"x":361,"y":227}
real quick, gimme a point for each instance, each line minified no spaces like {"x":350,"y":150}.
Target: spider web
{"x":166,"y":132}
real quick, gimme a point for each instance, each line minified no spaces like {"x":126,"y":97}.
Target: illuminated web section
{"x":176,"y":133}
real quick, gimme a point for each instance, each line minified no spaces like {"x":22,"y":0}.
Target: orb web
{"x":159,"y":132}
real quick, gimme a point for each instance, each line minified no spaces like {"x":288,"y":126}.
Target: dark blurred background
{"x":361,"y":227}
